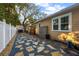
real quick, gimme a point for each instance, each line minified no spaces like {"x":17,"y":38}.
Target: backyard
{"x":29,"y":30}
{"x":30,"y":45}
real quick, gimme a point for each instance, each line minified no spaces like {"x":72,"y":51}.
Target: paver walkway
{"x":28,"y":45}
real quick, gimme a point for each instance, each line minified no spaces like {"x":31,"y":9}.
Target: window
{"x":62,"y":23}
{"x":65,"y":23}
{"x":55,"y":24}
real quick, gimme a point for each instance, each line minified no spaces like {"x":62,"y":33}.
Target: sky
{"x":50,"y":8}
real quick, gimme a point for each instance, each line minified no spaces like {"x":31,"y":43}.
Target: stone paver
{"x":19,"y":53}
{"x":28,"y":45}
{"x":40,"y":49}
{"x":57,"y":53}
{"x":46,"y":51}
{"x":51,"y":47}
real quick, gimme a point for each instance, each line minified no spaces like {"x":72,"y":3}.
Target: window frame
{"x":53,"y":23}
{"x":59,"y":22}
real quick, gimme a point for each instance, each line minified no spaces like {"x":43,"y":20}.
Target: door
{"x":43,"y":30}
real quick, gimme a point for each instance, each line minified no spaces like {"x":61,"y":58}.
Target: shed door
{"x":43,"y":30}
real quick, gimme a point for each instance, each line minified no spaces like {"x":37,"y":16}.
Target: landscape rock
{"x":41,"y":44}
{"x":36,"y":43}
{"x":34,"y":46}
{"x":18,"y":46}
{"x":29,"y":40}
{"x":51,"y":47}
{"x":21,"y":42}
{"x":39,"y":49}
{"x":27,"y":43}
{"x":29,"y":49}
{"x":46,"y":51}
{"x":21,"y":48}
{"x":19,"y":54}
{"x":57,"y":53}
{"x":62,"y":51}
{"x":31,"y":54}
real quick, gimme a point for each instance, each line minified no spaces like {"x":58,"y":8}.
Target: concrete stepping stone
{"x":27,"y":43}
{"x":51,"y":47}
{"x":18,"y":40}
{"x":18,"y":46}
{"x":23,"y":37}
{"x":29,"y":49}
{"x":61,"y":50}
{"x":40,"y":49}
{"x":36,"y":43}
{"x":31,"y":54}
{"x":21,"y":42}
{"x":56,"y":53}
{"x":41,"y":44}
{"x":73,"y":52}
{"x":29,"y":40}
{"x":34,"y":39}
{"x":34,"y":46}
{"x":19,"y":54}
{"x":46,"y":51}
{"x":21,"y":48}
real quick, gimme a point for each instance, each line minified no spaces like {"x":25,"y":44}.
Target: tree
{"x":8,"y":12}
{"x":28,"y":11}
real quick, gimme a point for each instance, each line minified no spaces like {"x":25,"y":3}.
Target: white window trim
{"x":59,"y":26}
{"x":52,"y":23}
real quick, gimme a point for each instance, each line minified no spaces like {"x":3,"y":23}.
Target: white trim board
{"x":59,"y":26}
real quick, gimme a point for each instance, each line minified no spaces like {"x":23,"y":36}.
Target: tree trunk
{"x":24,"y":25}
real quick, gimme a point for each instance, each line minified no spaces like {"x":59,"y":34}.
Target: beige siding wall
{"x":37,"y":28}
{"x":75,"y":20}
{"x":54,"y":34}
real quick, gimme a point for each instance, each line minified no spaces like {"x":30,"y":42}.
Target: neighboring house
{"x":63,"y":21}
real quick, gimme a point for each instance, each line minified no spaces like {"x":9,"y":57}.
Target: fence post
{"x":10,"y":35}
{"x":4,"y":23}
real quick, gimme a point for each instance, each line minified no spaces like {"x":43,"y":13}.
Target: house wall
{"x":54,"y":34}
{"x":37,"y":28}
{"x":75,"y":20}
{"x":43,"y":23}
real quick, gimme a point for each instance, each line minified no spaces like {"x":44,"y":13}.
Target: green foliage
{"x":29,"y":11}
{"x":8,"y":12}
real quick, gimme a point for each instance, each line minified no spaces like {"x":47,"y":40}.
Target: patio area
{"x":29,"y":45}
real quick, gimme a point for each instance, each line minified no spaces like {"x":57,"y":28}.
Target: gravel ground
{"x":27,"y":45}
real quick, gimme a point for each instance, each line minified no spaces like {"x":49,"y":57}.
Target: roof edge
{"x":59,"y":12}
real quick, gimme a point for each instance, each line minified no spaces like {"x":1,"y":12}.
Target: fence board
{"x":6,"y":33}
